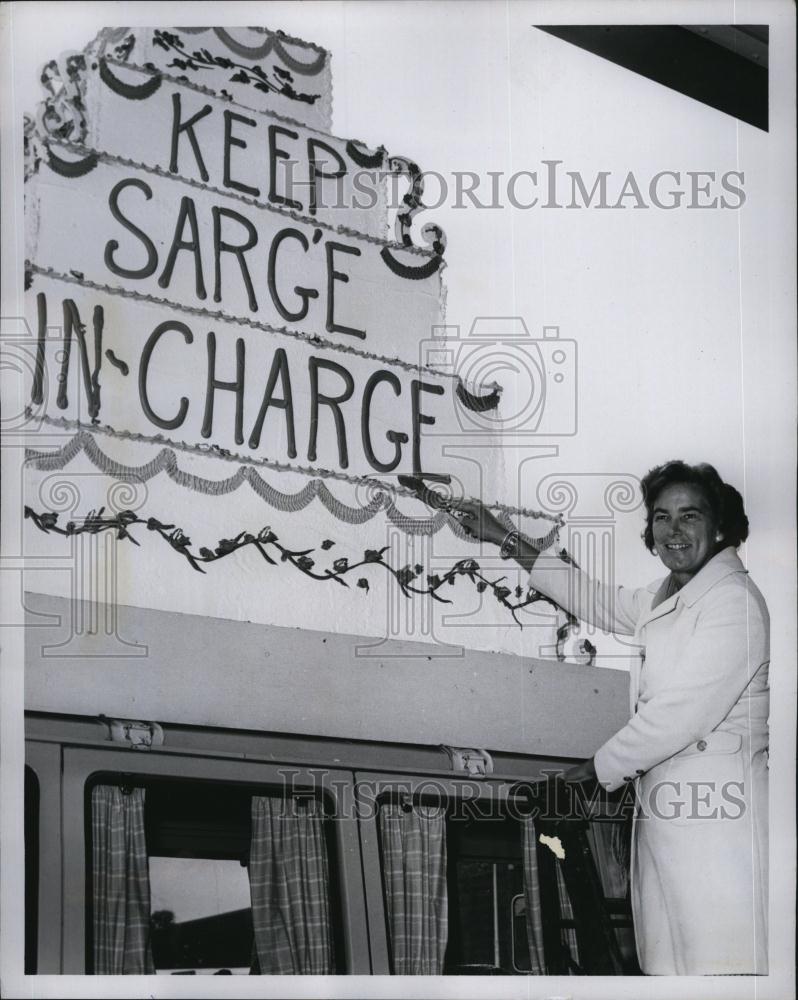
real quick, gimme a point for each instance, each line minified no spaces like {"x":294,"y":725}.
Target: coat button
{"x":628,"y":779}
{"x":702,"y":744}
{"x":639,"y":771}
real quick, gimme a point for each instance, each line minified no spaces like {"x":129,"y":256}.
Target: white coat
{"x":696,"y":747}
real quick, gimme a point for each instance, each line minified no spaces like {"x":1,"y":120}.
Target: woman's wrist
{"x":515,"y":546}
{"x":509,"y":544}
{"x":526,"y":554}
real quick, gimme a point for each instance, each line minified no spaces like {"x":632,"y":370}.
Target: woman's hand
{"x":585,"y":778}
{"x":477,"y":521}
{"x":580,"y":773}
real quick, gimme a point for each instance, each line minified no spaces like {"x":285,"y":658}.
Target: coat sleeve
{"x":706,"y":679}
{"x":612,"y":609}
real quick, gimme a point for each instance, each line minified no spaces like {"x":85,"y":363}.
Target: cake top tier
{"x":258,"y":68}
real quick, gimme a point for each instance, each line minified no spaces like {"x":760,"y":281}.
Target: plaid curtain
{"x":414,"y":870}
{"x":120,"y":882}
{"x":534,"y":915}
{"x":606,"y":841}
{"x":289,"y":888}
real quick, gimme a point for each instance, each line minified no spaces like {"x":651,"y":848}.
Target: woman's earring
{"x":654,"y":552}
{"x":719,"y":537}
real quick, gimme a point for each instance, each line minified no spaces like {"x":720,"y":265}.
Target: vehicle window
{"x":480,"y":895}
{"x":485,"y":866}
{"x":193,"y":878}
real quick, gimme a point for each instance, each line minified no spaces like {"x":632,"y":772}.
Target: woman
{"x":696,"y":743}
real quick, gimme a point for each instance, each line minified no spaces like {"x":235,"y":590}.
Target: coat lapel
{"x":665,"y":606}
{"x":719,"y":566}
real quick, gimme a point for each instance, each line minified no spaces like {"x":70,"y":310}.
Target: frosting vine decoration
{"x":409,"y":578}
{"x":274,"y":40}
{"x":249,"y":73}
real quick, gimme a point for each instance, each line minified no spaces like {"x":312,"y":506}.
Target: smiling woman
{"x":696,"y":743}
{"x":692,"y":515}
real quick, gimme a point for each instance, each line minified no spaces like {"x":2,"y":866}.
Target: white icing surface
{"x":177,"y":369}
{"x":70,"y":227}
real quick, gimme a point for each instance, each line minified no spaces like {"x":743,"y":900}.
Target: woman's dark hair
{"x":724,"y":501}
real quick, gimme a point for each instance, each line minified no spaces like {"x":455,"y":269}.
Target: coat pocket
{"x":719,"y":742}
{"x":705,"y":782}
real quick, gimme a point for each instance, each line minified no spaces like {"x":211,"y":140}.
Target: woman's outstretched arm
{"x":612,"y":609}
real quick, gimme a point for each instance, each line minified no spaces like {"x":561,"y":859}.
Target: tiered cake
{"x":209,"y":276}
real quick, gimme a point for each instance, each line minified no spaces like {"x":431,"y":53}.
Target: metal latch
{"x":475,"y":763}
{"x":138,"y":735}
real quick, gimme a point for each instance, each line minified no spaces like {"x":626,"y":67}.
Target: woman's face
{"x":685,"y":530}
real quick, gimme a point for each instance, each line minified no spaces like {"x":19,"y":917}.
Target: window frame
{"x":44,"y":760}
{"x":80,"y":764}
{"x":382,"y":784}
{"x":499,"y":788}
